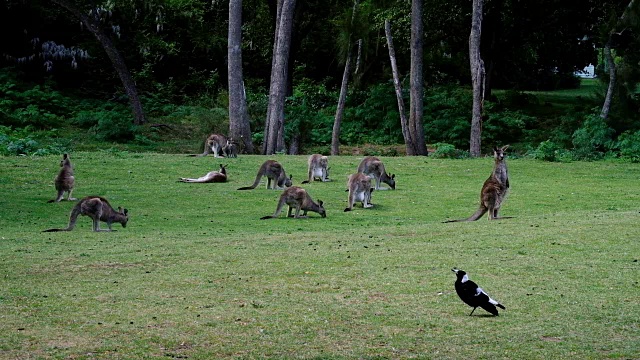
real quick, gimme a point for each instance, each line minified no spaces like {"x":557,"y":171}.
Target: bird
{"x":473,"y":295}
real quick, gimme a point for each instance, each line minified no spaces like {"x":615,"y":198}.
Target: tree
{"x":477,"y":78}
{"x":416,"y":130}
{"x":92,"y":22}
{"x":398,"y":88}
{"x":274,"y":124}
{"x":239,"y":128}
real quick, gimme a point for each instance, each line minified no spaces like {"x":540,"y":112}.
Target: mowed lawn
{"x":197,"y":275}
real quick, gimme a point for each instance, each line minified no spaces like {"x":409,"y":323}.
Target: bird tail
{"x":501,"y":306}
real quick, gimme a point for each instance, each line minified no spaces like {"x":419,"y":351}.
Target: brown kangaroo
{"x":373,"y":167}
{"x":230,"y":150}
{"x":298,"y":198}
{"x":495,"y":189}
{"x":273,"y":171}
{"x":359,"y":187}
{"x":64,"y":180}
{"x":211,"y":177}
{"x":318,"y":168}
{"x":98,"y":209}
{"x":215,"y":143}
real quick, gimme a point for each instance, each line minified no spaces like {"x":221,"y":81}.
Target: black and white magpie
{"x":473,"y":295}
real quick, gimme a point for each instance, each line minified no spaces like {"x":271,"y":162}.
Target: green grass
{"x":195,"y":273}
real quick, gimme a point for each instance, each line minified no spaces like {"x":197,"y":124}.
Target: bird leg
{"x":474,"y":309}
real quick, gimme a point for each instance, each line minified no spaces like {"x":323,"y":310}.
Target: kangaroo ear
{"x":505,"y":147}
{"x":320,"y":202}
{"x":495,"y":149}
{"x":393,"y":176}
{"x":126,"y":212}
{"x":290,"y":176}
{"x":65,"y":156}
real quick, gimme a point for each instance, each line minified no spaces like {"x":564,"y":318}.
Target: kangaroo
{"x":98,"y":209}
{"x":495,"y":189}
{"x":360,"y":189}
{"x":273,"y":171}
{"x":64,"y":180}
{"x":318,"y":168}
{"x":230,"y":150}
{"x":211,"y":177}
{"x":215,"y":143}
{"x":298,"y":198}
{"x":372,"y":166}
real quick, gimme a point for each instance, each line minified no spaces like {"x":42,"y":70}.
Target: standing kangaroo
{"x":372,"y":166}
{"x":230,"y":150}
{"x":64,"y":180}
{"x":318,"y":168}
{"x":273,"y":171}
{"x":211,"y":177}
{"x":215,"y":143}
{"x":98,"y":209}
{"x":298,"y":198}
{"x":359,"y":187}
{"x":495,"y":189}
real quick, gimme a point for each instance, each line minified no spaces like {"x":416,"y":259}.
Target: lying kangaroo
{"x":211,"y":177}
{"x":318,"y":168}
{"x":273,"y":171}
{"x":98,"y":209}
{"x":215,"y":143}
{"x":360,"y":189}
{"x":373,"y":167}
{"x":64,"y":180}
{"x":298,"y":198}
{"x":495,"y":189}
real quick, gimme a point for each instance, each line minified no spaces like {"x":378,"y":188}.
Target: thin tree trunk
{"x":418,"y":146}
{"x":337,"y":122}
{"x":477,"y":78}
{"x":267,"y":123}
{"x":239,"y":127}
{"x":612,"y":80}
{"x":396,"y":84}
{"x":116,"y":59}
{"x":335,"y":135}
{"x":279,"y":75}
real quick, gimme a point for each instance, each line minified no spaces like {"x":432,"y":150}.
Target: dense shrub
{"x":629,"y":145}
{"x":25,"y":141}
{"x":592,"y":139}
{"x":448,"y":151}
{"x":551,"y":151}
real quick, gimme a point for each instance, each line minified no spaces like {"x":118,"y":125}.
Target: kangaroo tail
{"x":255,"y":183}
{"x":477,"y":215}
{"x":73,"y":217}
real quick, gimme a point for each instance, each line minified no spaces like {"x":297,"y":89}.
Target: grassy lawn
{"x":196,"y":275}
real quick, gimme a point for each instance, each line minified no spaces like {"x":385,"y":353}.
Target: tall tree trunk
{"x":114,"y":55}
{"x":612,"y":80}
{"x":418,"y":146}
{"x":342,"y":98}
{"x":335,"y":135}
{"x":279,"y":73}
{"x":396,"y":84}
{"x":275,"y":11}
{"x":239,"y":127}
{"x":477,"y":78}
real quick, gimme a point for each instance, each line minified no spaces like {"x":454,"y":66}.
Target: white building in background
{"x":588,"y":72}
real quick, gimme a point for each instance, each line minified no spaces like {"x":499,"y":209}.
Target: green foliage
{"x":24,"y":141}
{"x":110,"y":123}
{"x":308,"y":114}
{"x":448,"y":151}
{"x":629,"y":145}
{"x":551,"y":151}
{"x":593,"y":138}
{"x":447,"y":115}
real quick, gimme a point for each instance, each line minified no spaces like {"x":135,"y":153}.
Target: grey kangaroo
{"x":297,"y":198}
{"x":64,"y":180}
{"x":495,"y":189}
{"x":98,"y":209}
{"x":273,"y":170}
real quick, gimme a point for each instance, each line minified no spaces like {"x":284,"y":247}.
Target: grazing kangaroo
{"x":273,"y":171}
{"x":211,"y":177}
{"x":230,"y":150}
{"x":495,"y":189}
{"x":318,"y":168}
{"x":298,"y":198}
{"x":372,"y":166}
{"x":64,"y":180}
{"x":360,"y":189}
{"x":215,"y":143}
{"x":98,"y":209}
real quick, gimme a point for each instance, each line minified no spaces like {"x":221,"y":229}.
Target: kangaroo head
{"x":125,"y":214}
{"x":65,"y":159}
{"x":223,"y":169}
{"x":499,"y":153}
{"x":321,"y":209}
{"x":392,"y":181}
{"x":288,"y":181}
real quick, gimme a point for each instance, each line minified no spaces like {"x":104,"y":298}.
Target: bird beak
{"x":455,"y":270}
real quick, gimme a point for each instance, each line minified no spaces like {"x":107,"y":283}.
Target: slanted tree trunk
{"x":612,"y":80}
{"x":239,"y":127}
{"x":342,"y":98}
{"x":114,"y":55}
{"x":398,"y":88}
{"x":279,"y":73}
{"x":418,"y":146}
{"x":477,"y":78}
